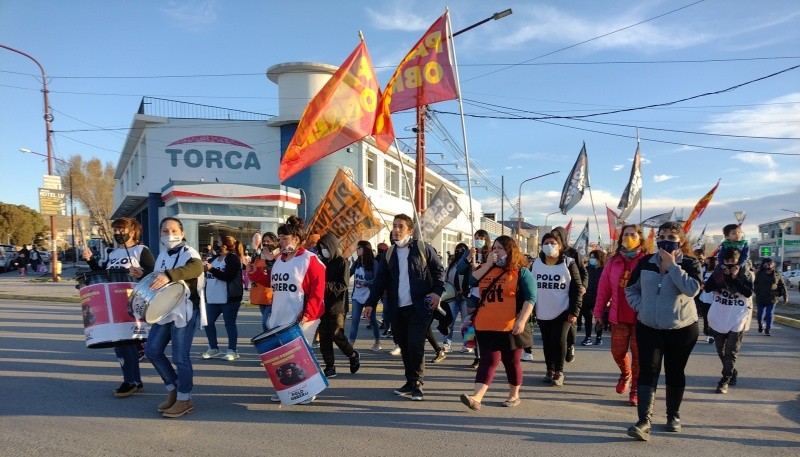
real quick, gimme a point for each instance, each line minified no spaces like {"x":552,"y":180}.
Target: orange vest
{"x":259,"y":294}
{"x":499,"y":309}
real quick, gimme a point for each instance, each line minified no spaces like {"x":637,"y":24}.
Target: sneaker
{"x":623,"y":384}
{"x":586,"y":341}
{"x":142,"y":355}
{"x":527,"y":357}
{"x":570,"y":354}
{"x":355,"y":362}
{"x":126,"y":390}
{"x":446,"y":348}
{"x":382,"y":326}
{"x":396,"y":351}
{"x":474,"y":364}
{"x":558,"y":379}
{"x":329,"y":372}
{"x":548,"y":377}
{"x":212,"y":354}
{"x":309,"y":401}
{"x":598,"y":341}
{"x":467,"y":350}
{"x":760,"y":328}
{"x":722,"y":387}
{"x":387,"y":333}
{"x":439,"y":357}
{"x":417,"y":394}
{"x":766,"y":333}
{"x":172,"y":397}
{"x":405,"y":390}
{"x":180,"y":408}
{"x":231,"y":355}
{"x":275,"y":399}
{"x":710,"y":340}
{"x":673,"y":423}
{"x":315,"y":344}
{"x":376,"y":347}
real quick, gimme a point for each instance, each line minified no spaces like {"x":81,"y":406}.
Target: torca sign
{"x":218,"y":152}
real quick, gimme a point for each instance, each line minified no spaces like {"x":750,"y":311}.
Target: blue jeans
{"x":229,"y":312}
{"x":157,"y":341}
{"x":765,"y":312}
{"x":457,"y":306}
{"x":128,"y":357}
{"x":266,"y":310}
{"x":356,"y":315}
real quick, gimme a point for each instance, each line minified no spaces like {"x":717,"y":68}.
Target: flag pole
{"x":463,"y":122}
{"x":591,"y":198}
{"x":408,"y":187}
{"x":641,"y":191}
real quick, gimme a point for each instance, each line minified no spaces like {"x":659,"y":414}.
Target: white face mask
{"x":170,"y":241}
{"x":404,"y":242}
{"x":326,"y":253}
{"x":549,"y":249}
{"x":501,"y":262}
{"x":479,"y":244}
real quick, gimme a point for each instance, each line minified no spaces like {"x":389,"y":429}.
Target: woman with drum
{"x":224,"y":292}
{"x":137,"y":261}
{"x":259,"y":273}
{"x":177,"y":261}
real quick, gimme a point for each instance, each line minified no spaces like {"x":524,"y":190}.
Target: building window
{"x":391,"y":179}
{"x":408,"y":185}
{"x":372,"y":171}
{"x":449,"y":241}
{"x":428,"y":195}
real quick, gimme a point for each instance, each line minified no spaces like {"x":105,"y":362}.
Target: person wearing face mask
{"x":471,"y":261}
{"x":177,"y":261}
{"x":731,"y":287}
{"x":611,"y":290}
{"x":563,"y":239}
{"x":134,"y":257}
{"x":768,"y":287}
{"x":661,"y":290}
{"x":224,"y":291}
{"x":597,"y":261}
{"x":259,"y":273}
{"x":331,"y":324}
{"x":364,"y":269}
{"x":559,"y":296}
{"x":460,"y":283}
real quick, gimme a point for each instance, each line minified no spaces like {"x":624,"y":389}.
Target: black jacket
{"x":336,"y":275}
{"x":768,"y":287}
{"x":232,"y":275}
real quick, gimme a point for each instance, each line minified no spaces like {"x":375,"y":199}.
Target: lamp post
{"x":419,"y":184}
{"x":519,"y":202}
{"x":71,"y":202}
{"x":740,"y":216}
{"x":796,"y":213}
{"x":48,"y":118}
{"x":783,"y":225}
{"x":545,"y":218}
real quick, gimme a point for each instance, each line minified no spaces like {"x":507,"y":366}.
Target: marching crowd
{"x":649,"y":297}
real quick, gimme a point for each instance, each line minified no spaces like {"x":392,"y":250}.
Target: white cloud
{"x":762,"y":160}
{"x":778,"y":117}
{"x":398,"y":18}
{"x":618,"y":167}
{"x":192,"y":15}
{"x":662,"y":178}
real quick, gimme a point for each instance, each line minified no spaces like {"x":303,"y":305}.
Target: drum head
{"x":167,"y":298}
{"x":269,"y":333}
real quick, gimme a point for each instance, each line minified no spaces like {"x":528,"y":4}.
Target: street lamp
{"x":783,"y":225}
{"x":796,"y":213}
{"x":519,"y":199}
{"x":545,"y":218}
{"x":71,"y":206}
{"x":740,"y":216}
{"x":48,"y":118}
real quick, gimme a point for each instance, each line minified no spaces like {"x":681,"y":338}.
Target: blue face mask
{"x":668,"y":245}
{"x":593,"y":262}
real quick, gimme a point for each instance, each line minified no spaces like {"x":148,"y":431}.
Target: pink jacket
{"x":612,"y":287}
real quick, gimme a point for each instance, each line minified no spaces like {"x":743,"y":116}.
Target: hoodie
{"x":336,"y":275}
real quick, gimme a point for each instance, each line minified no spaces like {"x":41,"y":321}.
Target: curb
{"x":787,"y":321}
{"x":40,"y":298}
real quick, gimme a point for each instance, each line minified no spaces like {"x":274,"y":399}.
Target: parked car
{"x":7,"y":255}
{"x":45,"y":256}
{"x":792,"y":278}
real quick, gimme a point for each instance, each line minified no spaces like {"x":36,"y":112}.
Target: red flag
{"x":613,"y":221}
{"x":342,"y":113}
{"x":699,"y":208}
{"x":424,"y":76}
{"x":567,"y":229}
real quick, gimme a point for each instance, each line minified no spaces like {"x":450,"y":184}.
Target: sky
{"x":720,"y":72}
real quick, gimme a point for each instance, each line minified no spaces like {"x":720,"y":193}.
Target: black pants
{"x":410,"y":331}
{"x":672,"y":347}
{"x":554,"y":341}
{"x":728,"y":345}
{"x":331,"y":330}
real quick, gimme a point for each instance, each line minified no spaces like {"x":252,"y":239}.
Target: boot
{"x":172,"y":397}
{"x":674,"y":398}
{"x":647,"y":397}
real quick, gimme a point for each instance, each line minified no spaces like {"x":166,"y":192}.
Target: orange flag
{"x":423,"y":77}
{"x":699,"y":208}
{"x":342,"y":113}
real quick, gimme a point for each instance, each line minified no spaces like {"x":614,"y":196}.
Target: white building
{"x":217,"y":169}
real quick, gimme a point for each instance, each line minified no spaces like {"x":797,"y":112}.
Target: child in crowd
{"x":734,"y":239}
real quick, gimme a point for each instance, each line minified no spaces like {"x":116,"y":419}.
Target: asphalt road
{"x":57,"y":400}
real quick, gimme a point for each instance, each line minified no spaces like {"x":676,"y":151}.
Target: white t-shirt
{"x":216,"y":289}
{"x":729,"y":312}
{"x":403,"y":284}
{"x":360,"y":294}
{"x":552,"y":288}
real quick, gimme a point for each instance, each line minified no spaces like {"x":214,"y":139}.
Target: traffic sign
{"x":52,"y":182}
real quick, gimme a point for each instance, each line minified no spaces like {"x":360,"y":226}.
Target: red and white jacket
{"x":612,"y":287}
{"x":298,"y":287}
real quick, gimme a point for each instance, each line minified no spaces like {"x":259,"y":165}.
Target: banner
{"x":699,"y":208}
{"x":346,"y":213}
{"x":576,"y":182}
{"x":442,"y":209}
{"x":613,"y":223}
{"x":341,"y":113}
{"x":658,"y":219}
{"x":582,"y":243}
{"x":424,"y":76}
{"x":633,"y":191}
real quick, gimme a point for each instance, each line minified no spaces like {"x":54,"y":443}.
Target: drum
{"x":106,"y":322}
{"x":88,"y":278}
{"x":153,"y":305}
{"x":290,"y":364}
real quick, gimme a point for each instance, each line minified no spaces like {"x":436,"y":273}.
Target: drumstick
{"x":81,"y":228}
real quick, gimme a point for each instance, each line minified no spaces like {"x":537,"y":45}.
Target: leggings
{"x":554,"y":341}
{"x":491,"y":359}
{"x":672,"y":347}
{"x":623,"y":336}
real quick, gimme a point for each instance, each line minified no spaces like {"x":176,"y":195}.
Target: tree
{"x":93,"y":187}
{"x":21,"y":225}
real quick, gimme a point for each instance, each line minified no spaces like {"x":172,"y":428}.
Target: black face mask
{"x":121,"y":238}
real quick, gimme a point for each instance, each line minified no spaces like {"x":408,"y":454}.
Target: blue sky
{"x":548,"y":58}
